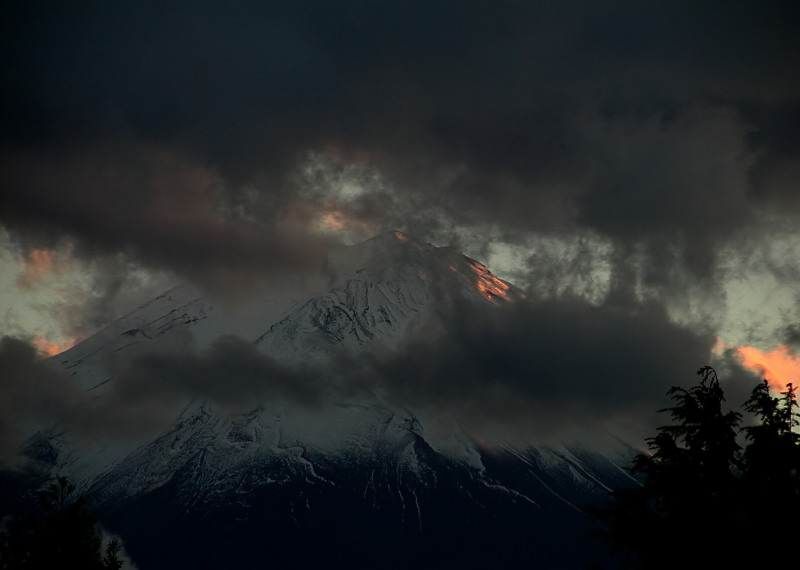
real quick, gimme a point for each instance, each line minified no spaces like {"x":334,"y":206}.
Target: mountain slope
{"x":356,"y":481}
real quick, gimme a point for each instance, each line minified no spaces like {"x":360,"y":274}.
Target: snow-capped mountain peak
{"x":380,"y":289}
{"x":219,"y":478}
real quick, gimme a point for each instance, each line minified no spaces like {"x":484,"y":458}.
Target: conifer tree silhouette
{"x":705,"y":501}
{"x":680,"y":514}
{"x":771,"y":470}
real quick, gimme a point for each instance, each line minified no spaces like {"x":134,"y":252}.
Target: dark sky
{"x":608,"y":156}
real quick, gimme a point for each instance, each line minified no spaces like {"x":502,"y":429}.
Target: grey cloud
{"x":778,"y":140}
{"x":250,"y":85}
{"x":669,"y":193}
{"x":154,"y":205}
{"x":687,"y":174}
{"x":531,"y":369}
{"x":542,"y":367}
{"x":117,"y":285}
{"x":150,"y":387}
{"x":34,"y":396}
{"x":791,"y":335}
{"x":146,"y":389}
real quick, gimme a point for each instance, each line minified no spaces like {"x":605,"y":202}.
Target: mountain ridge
{"x":333,"y":464}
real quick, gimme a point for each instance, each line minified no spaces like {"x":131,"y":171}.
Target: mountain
{"x":243,"y":476}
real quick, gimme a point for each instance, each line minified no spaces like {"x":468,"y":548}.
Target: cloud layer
{"x":141,"y":129}
{"x":524,"y":370}
{"x":642,"y":157}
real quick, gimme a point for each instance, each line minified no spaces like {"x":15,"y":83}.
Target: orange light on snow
{"x":491,"y":287}
{"x":779,"y":366}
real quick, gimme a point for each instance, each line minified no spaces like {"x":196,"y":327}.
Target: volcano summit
{"x":349,"y":424}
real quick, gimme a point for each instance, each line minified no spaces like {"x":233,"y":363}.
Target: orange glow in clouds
{"x":39,"y":261}
{"x":334,"y":220}
{"x":37,"y":265}
{"x":51,"y":348}
{"x":779,"y":366}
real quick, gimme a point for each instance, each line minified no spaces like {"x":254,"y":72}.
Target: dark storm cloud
{"x":685,"y":175}
{"x":528,"y":370}
{"x":501,"y":94}
{"x":536,"y":369}
{"x":774,"y":179}
{"x":145,"y":392}
{"x":151,"y":386}
{"x":542,"y":367}
{"x":153,"y":204}
{"x":34,"y":396}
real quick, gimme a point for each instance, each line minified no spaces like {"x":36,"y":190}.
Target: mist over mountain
{"x":411,"y":323}
{"x":405,"y":401}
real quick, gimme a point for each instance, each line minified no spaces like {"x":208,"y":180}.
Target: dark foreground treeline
{"x":707,"y":501}
{"x":57,"y":531}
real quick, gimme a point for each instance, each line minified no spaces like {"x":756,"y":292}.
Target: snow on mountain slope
{"x":357,"y":464}
{"x":380,"y":289}
{"x":265,"y":486}
{"x":383,"y":291}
